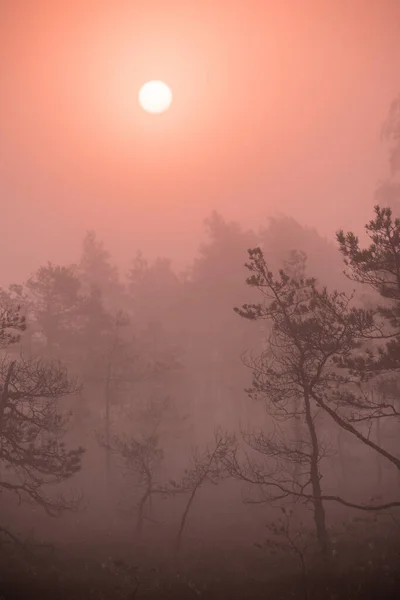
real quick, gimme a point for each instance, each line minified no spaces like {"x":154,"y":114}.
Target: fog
{"x":178,"y":416}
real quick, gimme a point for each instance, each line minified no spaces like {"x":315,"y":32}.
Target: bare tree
{"x":141,"y":460}
{"x":208,"y":466}
{"x":290,"y":539}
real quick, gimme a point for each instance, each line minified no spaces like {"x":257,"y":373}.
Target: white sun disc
{"x":155,"y":97}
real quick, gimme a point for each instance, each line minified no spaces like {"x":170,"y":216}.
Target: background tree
{"x":214,"y":340}
{"x":53,"y":298}
{"x":95,"y":270}
{"x":391,"y":133}
{"x":388,"y":191}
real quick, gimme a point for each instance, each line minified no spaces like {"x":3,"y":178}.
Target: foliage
{"x":378,"y":266}
{"x":11,"y":324}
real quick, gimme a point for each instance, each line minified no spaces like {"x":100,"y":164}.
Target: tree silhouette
{"x":298,"y":376}
{"x":32,"y":426}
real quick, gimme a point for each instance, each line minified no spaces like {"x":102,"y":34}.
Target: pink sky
{"x":277,"y":109}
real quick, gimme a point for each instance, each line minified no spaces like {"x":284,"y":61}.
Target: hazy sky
{"x":277,"y":108}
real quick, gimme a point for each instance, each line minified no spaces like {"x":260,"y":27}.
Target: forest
{"x":228,"y":431}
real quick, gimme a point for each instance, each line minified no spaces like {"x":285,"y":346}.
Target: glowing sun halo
{"x":155,"y":97}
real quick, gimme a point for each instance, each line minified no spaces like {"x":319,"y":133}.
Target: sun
{"x":155,"y":97}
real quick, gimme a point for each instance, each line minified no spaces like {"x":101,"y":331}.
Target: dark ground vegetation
{"x":366,"y":568}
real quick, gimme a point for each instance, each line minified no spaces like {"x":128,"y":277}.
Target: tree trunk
{"x":140,"y":517}
{"x":342,"y":460}
{"x":319,"y":510}
{"x":184,"y":519}
{"x":107,"y":422}
{"x":4,"y":393}
{"x":4,"y":396}
{"x":297,"y":427}
{"x":379,"y":466}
